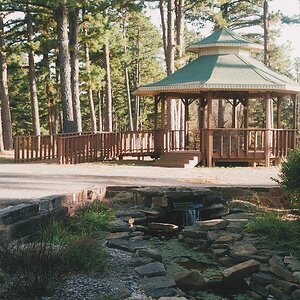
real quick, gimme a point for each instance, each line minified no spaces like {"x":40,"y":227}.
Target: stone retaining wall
{"x":24,"y":219}
{"x":21,"y":221}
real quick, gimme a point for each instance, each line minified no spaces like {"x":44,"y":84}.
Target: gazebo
{"x":225,"y":69}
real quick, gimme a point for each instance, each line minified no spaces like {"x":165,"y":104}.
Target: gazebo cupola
{"x":226,"y":70}
{"x":224,"y":41}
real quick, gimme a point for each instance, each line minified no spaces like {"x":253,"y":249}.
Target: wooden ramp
{"x":179,"y":159}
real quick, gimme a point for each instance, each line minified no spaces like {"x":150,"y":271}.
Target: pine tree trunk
{"x":1,"y":135}
{"x":137,"y":83}
{"x":5,"y":107}
{"x":89,"y":83}
{"x":130,"y":121}
{"x":100,"y":109}
{"x":180,"y":20}
{"x":127,"y":84}
{"x":266,"y":33}
{"x":73,"y":37}
{"x":32,"y":79}
{"x":164,"y":16}
{"x":52,"y":109}
{"x":171,"y":104}
{"x":170,"y":38}
{"x":221,"y":112}
{"x":58,"y":90}
{"x":108,"y":92}
{"x":65,"y":69}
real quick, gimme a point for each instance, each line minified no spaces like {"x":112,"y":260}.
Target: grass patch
{"x":91,"y":218}
{"x":276,"y":231}
{"x":88,"y":220}
{"x":85,"y":254}
{"x":32,"y":269}
{"x":36,"y":268}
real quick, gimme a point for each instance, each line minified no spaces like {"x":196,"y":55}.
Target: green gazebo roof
{"x":224,"y":38}
{"x":230,"y":71}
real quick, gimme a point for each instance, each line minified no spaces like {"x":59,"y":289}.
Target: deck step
{"x":179,"y":159}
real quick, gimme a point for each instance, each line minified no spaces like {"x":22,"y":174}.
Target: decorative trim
{"x":198,"y":87}
{"x":237,"y":45}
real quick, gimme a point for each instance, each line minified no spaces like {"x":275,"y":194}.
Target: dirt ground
{"x":19,"y":182}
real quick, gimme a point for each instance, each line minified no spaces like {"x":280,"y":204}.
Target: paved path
{"x":28,"y":181}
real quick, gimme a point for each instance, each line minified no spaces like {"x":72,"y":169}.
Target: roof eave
{"x":196,"y":88}
{"x":252,"y":47}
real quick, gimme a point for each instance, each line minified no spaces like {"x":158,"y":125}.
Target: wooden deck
{"x":213,"y":145}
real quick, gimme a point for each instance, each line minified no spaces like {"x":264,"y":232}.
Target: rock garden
{"x":154,"y":243}
{"x":158,"y":243}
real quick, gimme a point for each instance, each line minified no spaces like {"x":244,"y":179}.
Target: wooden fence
{"x":35,"y":148}
{"x":251,"y":145}
{"x":216,"y":144}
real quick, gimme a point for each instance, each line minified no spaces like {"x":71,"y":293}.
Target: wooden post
{"x":201,"y":120}
{"x":186,"y":123}
{"x":246,"y":122}
{"x":279,"y":112}
{"x":209,"y":141}
{"x":293,"y":98}
{"x":295,"y":125}
{"x":268,"y":127}
{"x":163,"y":113}
{"x":234,"y":114}
{"x":156,"y":99}
{"x":157,"y":144}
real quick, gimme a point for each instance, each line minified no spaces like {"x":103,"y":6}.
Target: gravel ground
{"x":87,"y":287}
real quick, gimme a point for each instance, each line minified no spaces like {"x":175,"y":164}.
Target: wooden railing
{"x":35,"y":148}
{"x":102,"y":146}
{"x":220,"y":143}
{"x":251,"y":144}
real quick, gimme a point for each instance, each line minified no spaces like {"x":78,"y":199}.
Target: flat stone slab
{"x":287,"y":286}
{"x":140,"y":261}
{"x":241,"y":215}
{"x":150,"y":253}
{"x":189,"y":280}
{"x":157,"y":283}
{"x":194,"y":232}
{"x":259,"y":289}
{"x":118,"y":235}
{"x":215,"y":224}
{"x":118,"y":225}
{"x":282,"y":272}
{"x":242,"y":250}
{"x":172,"y":298}
{"x":132,"y":213}
{"x":241,"y":270}
{"x":226,"y":238}
{"x":151,"y":269}
{"x":292,"y":262}
{"x":296,"y":295}
{"x":214,"y":235}
{"x":165,"y":227}
{"x":126,"y":245}
{"x":119,"y":289}
{"x":263,"y":278}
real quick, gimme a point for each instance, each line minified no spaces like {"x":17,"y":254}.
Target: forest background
{"x":73,"y":65}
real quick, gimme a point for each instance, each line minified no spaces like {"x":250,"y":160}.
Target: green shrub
{"x":276,"y":232}
{"x":34,"y":269}
{"x":61,"y":232}
{"x":289,"y":176}
{"x":85,"y":254}
{"x":271,"y":224}
{"x":91,"y":218}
